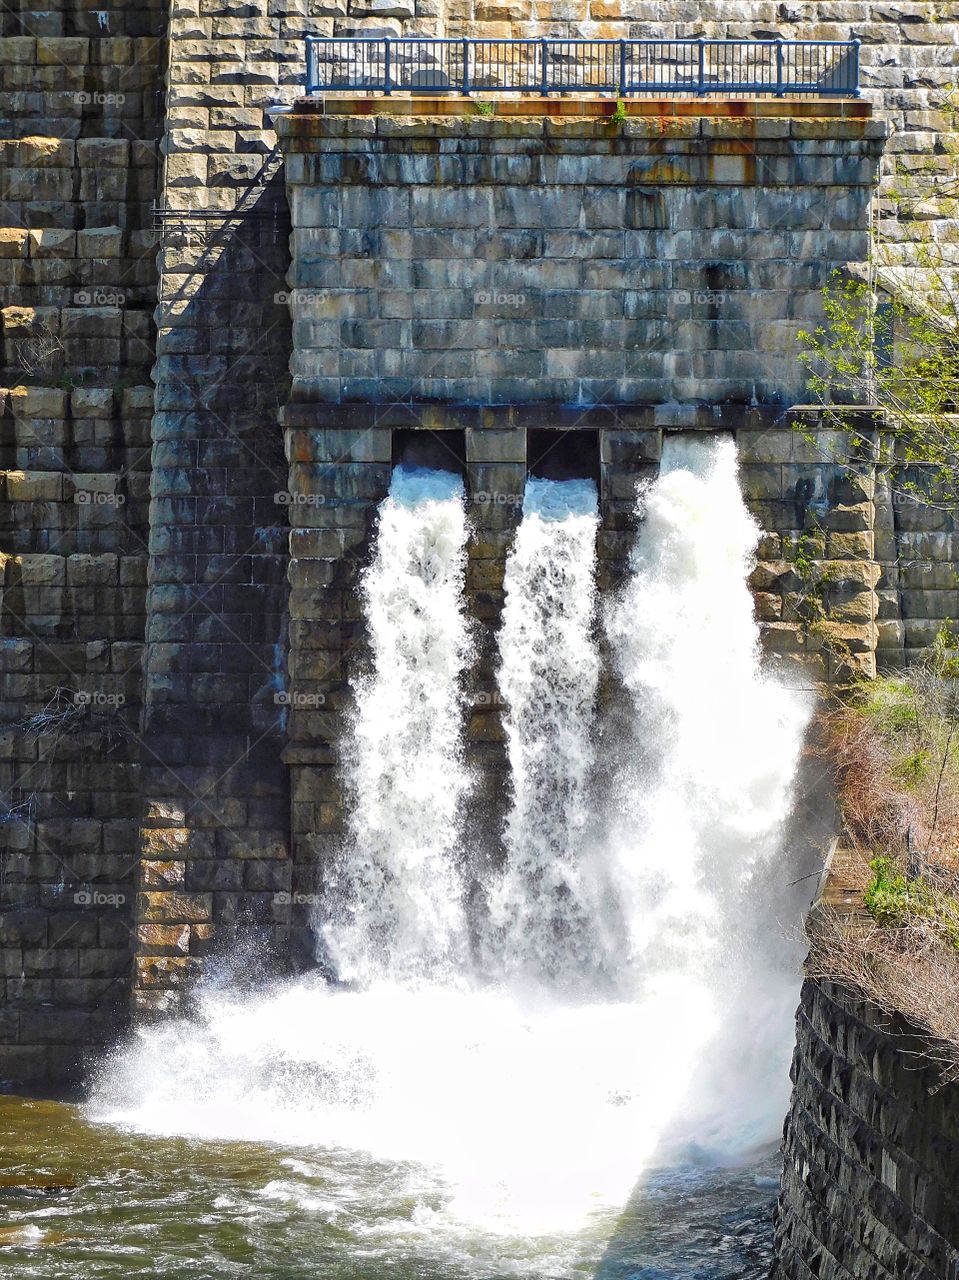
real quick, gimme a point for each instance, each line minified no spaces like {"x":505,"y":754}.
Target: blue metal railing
{"x":624,"y":67}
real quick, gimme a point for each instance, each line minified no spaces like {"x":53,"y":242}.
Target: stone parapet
{"x":566,"y":259}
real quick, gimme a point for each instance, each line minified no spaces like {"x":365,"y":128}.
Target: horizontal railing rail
{"x":624,"y":67}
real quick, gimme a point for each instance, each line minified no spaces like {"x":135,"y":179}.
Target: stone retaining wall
{"x":81,"y":112}
{"x":666,"y":261}
{"x":872,"y":1150}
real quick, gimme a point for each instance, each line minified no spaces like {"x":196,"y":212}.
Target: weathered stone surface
{"x":871,"y":1142}
{"x":548,"y":321}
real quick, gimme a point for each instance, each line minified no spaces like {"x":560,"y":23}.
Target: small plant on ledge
{"x":620,"y":114}
{"x":485,"y":109}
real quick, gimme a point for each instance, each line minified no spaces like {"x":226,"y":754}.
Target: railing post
{"x":701,"y":86}
{"x":855,"y":68}
{"x":310,"y":77}
{"x":387,"y":89}
{"x":544,"y":74}
{"x":780,"y":90}
{"x":466,"y":65}
{"x":622,"y":68}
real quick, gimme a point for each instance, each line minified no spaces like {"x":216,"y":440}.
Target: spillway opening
{"x":438,"y":450}
{"x":563,"y":455}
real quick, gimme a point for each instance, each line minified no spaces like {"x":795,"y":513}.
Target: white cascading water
{"x":696,"y":808}
{"x":716,"y":742}
{"x":395,"y":905}
{"x":515,"y":1109}
{"x":542,"y":908}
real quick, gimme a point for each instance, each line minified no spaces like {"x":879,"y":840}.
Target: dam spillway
{"x":558,"y":268}
{"x":606,"y":970}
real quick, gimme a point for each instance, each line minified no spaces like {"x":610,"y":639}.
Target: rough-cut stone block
{"x":383,"y":8}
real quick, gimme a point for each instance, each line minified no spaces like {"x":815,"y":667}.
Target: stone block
{"x":383,"y":8}
{"x":174,"y":908}
{"x":38,"y":402}
{"x":492,"y":445}
{"x":62,"y":52}
{"x":100,"y":242}
{"x":53,"y":242}
{"x":186,"y":170}
{"x":157,"y":939}
{"x":92,"y":402}
{"x":39,"y":570}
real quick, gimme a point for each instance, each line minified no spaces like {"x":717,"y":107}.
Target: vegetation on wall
{"x":889,"y":337}
{"x":894,"y":744}
{"x":902,"y":356}
{"x":889,"y":341}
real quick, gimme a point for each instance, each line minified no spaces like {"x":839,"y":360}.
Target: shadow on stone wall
{"x":215,"y":869}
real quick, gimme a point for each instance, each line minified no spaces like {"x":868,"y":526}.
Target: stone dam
{"x":233,"y":312}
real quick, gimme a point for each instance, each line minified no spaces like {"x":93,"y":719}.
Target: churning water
{"x":629,"y":996}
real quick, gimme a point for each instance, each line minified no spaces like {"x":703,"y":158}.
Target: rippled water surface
{"x":146,"y":1206}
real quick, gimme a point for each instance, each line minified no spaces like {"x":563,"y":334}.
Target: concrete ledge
{"x":585,"y":105}
{"x":843,"y":883}
{"x":438,"y":416}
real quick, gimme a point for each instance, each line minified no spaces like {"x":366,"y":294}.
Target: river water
{"x":170,"y":1207}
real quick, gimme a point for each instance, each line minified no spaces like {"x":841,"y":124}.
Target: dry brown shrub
{"x":894,"y":746}
{"x":875,"y":815}
{"x":895,"y":750}
{"x":908,"y":970}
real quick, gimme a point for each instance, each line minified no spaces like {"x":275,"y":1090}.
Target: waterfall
{"x":526,"y":1098}
{"x":549,"y":671}
{"x":715,"y":742}
{"x":394,"y":906}
{"x":696,"y":809}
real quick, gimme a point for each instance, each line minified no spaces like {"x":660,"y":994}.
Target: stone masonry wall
{"x":226,"y":64}
{"x":84,"y":96}
{"x":871,"y":1147}
{"x":216,"y":803}
{"x":80,"y":107}
{"x":451,"y":258}
{"x":907,"y":57}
